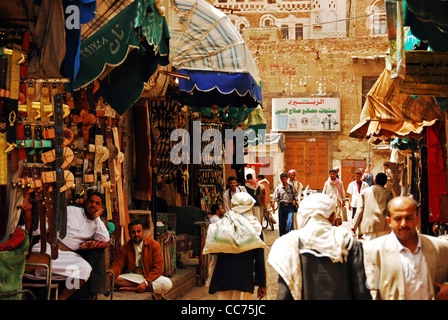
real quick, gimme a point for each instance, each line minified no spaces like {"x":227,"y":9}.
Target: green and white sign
{"x":306,"y":114}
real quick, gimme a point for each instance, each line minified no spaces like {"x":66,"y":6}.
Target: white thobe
{"x":79,"y":230}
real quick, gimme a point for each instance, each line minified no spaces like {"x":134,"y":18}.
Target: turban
{"x":291,"y":171}
{"x":315,"y":204}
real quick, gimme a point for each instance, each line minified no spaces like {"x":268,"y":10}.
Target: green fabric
{"x":428,"y":21}
{"x":234,"y":116}
{"x":255,"y":121}
{"x":109,"y":45}
{"x":12,"y":267}
{"x":135,"y":42}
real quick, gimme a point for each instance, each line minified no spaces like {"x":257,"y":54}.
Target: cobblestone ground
{"x":201,"y":293}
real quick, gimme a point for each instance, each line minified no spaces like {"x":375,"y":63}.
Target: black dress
{"x":241,"y":272}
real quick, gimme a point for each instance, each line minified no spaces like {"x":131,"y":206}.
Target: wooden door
{"x":349,"y":167}
{"x":309,"y":158}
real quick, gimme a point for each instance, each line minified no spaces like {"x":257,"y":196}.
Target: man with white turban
{"x":239,"y":263}
{"x":319,"y":261}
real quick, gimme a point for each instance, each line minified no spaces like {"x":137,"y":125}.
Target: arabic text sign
{"x":109,"y":45}
{"x":426,"y":74}
{"x":306,"y":114}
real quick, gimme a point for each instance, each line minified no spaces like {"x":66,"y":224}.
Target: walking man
{"x":406,"y":265}
{"x":390,"y":178}
{"x":354,"y":190}
{"x":286,"y":195}
{"x":296,"y":183}
{"x":233,"y":188}
{"x":370,"y":214}
{"x":254,"y":189}
{"x":334,"y":188}
{"x":319,"y":261}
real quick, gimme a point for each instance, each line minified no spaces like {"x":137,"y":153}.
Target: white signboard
{"x":306,"y":114}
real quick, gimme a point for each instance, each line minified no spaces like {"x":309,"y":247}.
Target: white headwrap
{"x":242,"y":203}
{"x":317,"y":236}
{"x":313,"y":205}
{"x":316,"y":232}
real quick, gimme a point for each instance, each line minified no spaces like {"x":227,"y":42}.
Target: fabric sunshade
{"x":124,"y":53}
{"x":206,"y":45}
{"x":389,"y":114}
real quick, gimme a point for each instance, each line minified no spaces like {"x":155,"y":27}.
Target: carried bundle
{"x":238,"y":231}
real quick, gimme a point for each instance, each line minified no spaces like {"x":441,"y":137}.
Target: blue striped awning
{"x":206,"y":45}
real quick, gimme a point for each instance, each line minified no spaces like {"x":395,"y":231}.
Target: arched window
{"x":268,"y":22}
{"x":379,"y":18}
{"x":241,"y":28}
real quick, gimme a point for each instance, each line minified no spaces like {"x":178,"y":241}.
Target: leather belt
{"x":60,"y":199}
{"x":38,"y":200}
{"x":63,"y":247}
{"x":48,"y":203}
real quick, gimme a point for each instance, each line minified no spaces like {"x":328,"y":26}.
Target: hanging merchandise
{"x":210,"y":173}
{"x":436,"y":173}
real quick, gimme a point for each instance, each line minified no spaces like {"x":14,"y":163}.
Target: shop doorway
{"x":349,"y":167}
{"x":309,"y":157}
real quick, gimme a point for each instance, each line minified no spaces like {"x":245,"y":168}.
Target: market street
{"x":201,"y":293}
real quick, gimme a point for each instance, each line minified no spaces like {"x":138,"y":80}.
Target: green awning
{"x":132,"y":44}
{"x":428,"y":21}
{"x":255,"y":127}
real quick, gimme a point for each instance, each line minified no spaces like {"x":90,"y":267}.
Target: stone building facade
{"x":307,"y":50}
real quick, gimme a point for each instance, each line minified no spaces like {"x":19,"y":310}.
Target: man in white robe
{"x":82,"y":225}
{"x":319,"y":261}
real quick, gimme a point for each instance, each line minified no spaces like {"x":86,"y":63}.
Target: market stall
{"x":406,"y":107}
{"x":60,"y":138}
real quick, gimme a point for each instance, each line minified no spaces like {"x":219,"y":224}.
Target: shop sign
{"x":426,"y":74}
{"x":306,"y":114}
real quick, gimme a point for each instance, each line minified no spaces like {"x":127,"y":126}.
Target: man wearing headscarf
{"x":233,"y":276}
{"x":319,"y":261}
{"x":334,"y":188}
{"x":296,"y":183}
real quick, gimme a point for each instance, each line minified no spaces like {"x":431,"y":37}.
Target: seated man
{"x":82,"y":225}
{"x":141,"y":261}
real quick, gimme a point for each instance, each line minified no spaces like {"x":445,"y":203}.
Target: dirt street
{"x":201,"y":293}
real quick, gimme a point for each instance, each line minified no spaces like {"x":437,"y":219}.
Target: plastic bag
{"x":232,"y":234}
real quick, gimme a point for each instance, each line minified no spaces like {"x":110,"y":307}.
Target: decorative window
{"x":367,"y":84}
{"x":299,"y":31}
{"x":241,"y":28}
{"x":379,"y":25}
{"x":268,"y":23}
{"x":284,"y":29}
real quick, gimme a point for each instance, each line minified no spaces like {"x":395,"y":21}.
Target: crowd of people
{"x":382,"y":255}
